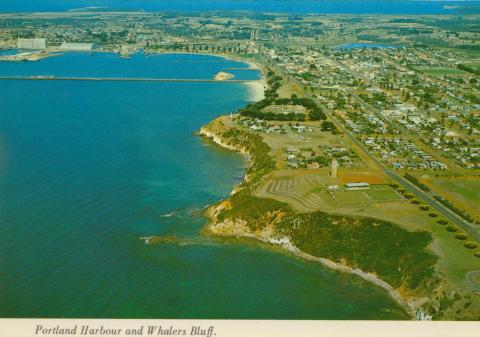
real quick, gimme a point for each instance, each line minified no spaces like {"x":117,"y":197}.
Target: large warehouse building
{"x":77,"y":46}
{"x":31,"y":43}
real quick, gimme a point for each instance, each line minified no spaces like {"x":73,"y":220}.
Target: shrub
{"x":327,"y":125}
{"x":442,"y":222}
{"x":433,"y":215}
{"x":408,"y":195}
{"x":415,"y":202}
{"x":470,"y":245}
{"x":461,"y":236}
{"x":453,"y":208}
{"x":452,"y":229}
{"x":424,"y":208}
{"x":477,"y":254}
{"x":322,"y":234}
{"x":415,"y":181}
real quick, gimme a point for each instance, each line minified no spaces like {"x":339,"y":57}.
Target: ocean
{"x":397,"y":7}
{"x":88,"y":168}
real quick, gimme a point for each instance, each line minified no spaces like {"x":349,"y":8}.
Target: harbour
{"x":92,"y":167}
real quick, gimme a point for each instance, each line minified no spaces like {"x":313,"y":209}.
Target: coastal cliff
{"x":378,"y":251}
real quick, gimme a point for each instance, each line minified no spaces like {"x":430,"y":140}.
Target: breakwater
{"x":124,"y":79}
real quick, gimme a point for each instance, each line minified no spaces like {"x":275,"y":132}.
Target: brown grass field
{"x":371,"y":177}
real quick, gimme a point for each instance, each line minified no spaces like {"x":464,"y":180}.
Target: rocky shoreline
{"x":239,"y":228}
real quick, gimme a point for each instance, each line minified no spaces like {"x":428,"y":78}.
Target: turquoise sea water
{"x":87,"y":168}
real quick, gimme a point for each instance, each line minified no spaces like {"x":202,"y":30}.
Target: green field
{"x":465,"y":193}
{"x":440,"y":71}
{"x":376,"y":193}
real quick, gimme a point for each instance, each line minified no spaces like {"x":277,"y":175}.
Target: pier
{"x":119,"y":79}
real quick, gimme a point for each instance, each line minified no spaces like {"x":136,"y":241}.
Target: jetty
{"x":240,"y":69}
{"x":119,"y":79}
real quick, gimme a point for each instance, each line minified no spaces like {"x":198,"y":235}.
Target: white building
{"x":357,"y":186}
{"x":77,"y":46}
{"x":31,"y":43}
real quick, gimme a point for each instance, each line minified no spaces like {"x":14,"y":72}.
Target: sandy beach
{"x":255,"y":90}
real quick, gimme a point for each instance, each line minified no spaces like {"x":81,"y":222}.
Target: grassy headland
{"x":391,"y":256}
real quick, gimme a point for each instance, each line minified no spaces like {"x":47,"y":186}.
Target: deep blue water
{"x":87,"y":168}
{"x":288,"y":6}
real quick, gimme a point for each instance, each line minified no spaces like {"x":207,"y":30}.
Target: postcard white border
{"x":245,"y":328}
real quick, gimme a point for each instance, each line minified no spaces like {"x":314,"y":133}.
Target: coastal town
{"x":368,"y":125}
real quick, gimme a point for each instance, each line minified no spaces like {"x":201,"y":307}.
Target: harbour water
{"x":88,"y":168}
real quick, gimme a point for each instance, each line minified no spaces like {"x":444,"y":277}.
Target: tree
{"x":328,"y":126}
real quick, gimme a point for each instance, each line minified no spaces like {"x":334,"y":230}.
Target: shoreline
{"x":256,"y":88}
{"x":238,"y":229}
{"x":287,"y":247}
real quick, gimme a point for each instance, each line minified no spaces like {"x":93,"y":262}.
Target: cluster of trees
{"x":469,"y":69}
{"x":469,"y":47}
{"x":472,"y":98}
{"x":329,"y":126}
{"x":273,"y":116}
{"x":231,"y":49}
{"x":274,"y":83}
{"x":319,"y":159}
{"x":254,"y":110}
{"x":316,"y":114}
{"x":411,"y":31}
{"x":415,"y":181}
{"x":454,"y":208}
{"x":376,"y":97}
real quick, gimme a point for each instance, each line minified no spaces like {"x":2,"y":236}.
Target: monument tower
{"x":333,"y":168}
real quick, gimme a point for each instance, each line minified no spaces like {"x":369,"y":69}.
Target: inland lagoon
{"x":88,"y":168}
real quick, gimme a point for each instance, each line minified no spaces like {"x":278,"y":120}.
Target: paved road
{"x":427,"y":198}
{"x":454,"y":218}
{"x":472,"y":280}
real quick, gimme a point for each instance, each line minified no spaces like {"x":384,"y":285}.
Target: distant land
{"x":295,"y":6}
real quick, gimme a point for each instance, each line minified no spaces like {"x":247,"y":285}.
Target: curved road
{"x":472,"y":280}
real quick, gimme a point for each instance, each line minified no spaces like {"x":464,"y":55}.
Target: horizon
{"x":272,"y":6}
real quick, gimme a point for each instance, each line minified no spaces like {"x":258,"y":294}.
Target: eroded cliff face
{"x":419,"y":289}
{"x":258,"y":162}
